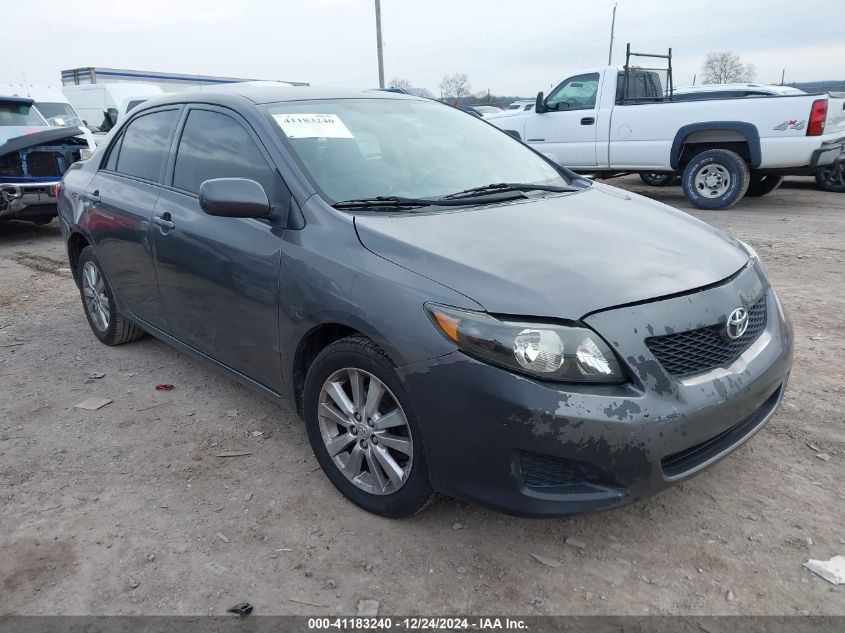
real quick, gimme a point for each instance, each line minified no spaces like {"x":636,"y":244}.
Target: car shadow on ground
{"x":16,"y":230}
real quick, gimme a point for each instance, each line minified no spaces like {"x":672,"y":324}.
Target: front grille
{"x":703,"y":349}
{"x":546,"y":471}
{"x":678,"y":464}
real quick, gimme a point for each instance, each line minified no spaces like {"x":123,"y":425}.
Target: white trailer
{"x":168,"y":82}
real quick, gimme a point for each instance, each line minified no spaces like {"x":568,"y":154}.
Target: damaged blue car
{"x":447,"y":309}
{"x":33,"y":158}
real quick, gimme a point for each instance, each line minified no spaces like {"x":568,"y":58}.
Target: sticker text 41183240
{"x":312,"y":126}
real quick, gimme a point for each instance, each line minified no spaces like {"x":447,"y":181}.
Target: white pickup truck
{"x":598,"y":121}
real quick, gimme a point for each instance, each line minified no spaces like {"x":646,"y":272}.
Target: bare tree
{"x":725,"y":67}
{"x":455,"y":86}
{"x":399,"y":82}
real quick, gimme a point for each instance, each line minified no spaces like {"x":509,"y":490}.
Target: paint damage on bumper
{"x":528,"y":447}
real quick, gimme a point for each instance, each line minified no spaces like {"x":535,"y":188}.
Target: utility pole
{"x":379,"y":46}
{"x":612,"y":26}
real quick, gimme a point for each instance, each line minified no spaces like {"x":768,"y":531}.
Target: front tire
{"x":716,"y":179}
{"x":363,"y":430}
{"x":832,"y":178}
{"x":761,"y":184}
{"x":106,"y":321}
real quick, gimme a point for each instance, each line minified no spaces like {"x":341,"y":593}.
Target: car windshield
{"x":58,"y":113}
{"x":363,"y":148}
{"x":19,"y":114}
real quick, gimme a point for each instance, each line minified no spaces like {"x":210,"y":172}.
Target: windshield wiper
{"x":397,"y":202}
{"x":381,"y":202}
{"x":501,"y":187}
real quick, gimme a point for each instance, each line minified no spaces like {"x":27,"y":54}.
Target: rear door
{"x":219,"y":276}
{"x":566,"y":132}
{"x":119,"y":205}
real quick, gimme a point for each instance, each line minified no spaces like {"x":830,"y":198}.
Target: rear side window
{"x":214,"y":145}
{"x":146,"y":141}
{"x":111,"y":163}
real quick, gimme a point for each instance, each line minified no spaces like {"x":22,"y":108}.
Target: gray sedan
{"x":447,"y":309}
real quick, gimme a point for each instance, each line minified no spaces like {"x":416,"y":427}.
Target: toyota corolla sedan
{"x":448,"y":310}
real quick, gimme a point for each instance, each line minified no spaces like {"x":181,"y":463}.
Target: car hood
{"x":15,"y":138}
{"x":560,"y":256}
{"x":505,"y":114}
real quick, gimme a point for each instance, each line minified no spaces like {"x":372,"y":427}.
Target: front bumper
{"x":528,"y":447}
{"x":20,"y":201}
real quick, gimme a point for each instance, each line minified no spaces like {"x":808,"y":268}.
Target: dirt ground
{"x":128,"y":509}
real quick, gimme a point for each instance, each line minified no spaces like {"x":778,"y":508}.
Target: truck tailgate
{"x":835,"y":122}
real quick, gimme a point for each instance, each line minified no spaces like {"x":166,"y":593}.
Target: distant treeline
{"x":820,"y":86}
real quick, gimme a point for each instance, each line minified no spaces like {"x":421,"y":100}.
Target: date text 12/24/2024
{"x":417,"y":623}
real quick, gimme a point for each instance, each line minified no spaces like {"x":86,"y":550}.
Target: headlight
{"x":549,"y":351}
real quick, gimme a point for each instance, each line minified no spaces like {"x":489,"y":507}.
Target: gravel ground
{"x":129,"y":510}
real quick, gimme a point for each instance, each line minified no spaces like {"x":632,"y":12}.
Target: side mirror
{"x":234,"y":198}
{"x":540,"y":104}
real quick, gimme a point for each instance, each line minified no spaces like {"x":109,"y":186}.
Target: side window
{"x":146,"y":141}
{"x":214,"y":145}
{"x":114,"y":150}
{"x":575,"y":93}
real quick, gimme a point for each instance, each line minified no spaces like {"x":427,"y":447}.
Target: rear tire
{"x":656,"y":179}
{"x":716,"y":179}
{"x":832,"y":178}
{"x":381,"y":469}
{"x":761,"y":184}
{"x":106,"y":321}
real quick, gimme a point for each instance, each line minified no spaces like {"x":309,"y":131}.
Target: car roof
{"x":273,"y":94}
{"x":20,"y":100}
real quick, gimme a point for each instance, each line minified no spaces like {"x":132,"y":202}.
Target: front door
{"x":566,"y":131}
{"x":219,"y":277}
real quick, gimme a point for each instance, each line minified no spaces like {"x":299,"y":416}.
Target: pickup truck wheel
{"x":832,"y":178}
{"x":716,"y":179}
{"x":363,"y":430}
{"x":761,"y":184}
{"x":106,"y":321}
{"x":656,"y":178}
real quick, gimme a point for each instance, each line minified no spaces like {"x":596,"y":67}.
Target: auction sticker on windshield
{"x":312,"y":126}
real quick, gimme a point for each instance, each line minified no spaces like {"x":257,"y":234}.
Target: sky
{"x":510,"y":47}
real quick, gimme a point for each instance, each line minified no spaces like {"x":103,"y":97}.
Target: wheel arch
{"x":75,"y":243}
{"x":732,"y":135}
{"x":315,"y":341}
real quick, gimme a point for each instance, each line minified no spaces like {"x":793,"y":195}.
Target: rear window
{"x":146,"y":142}
{"x":19,"y":114}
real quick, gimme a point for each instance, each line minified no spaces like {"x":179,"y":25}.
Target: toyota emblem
{"x":736,"y":324}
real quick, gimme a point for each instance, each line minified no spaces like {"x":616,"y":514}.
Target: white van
{"x":100,"y":104}
{"x":49,"y":101}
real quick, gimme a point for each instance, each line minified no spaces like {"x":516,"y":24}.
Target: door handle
{"x":94,"y":196}
{"x":588,"y":120}
{"x":164,"y":221}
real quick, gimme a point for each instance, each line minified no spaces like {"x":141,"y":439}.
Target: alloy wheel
{"x":96,"y":299}
{"x":365,"y":431}
{"x":712,"y":181}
